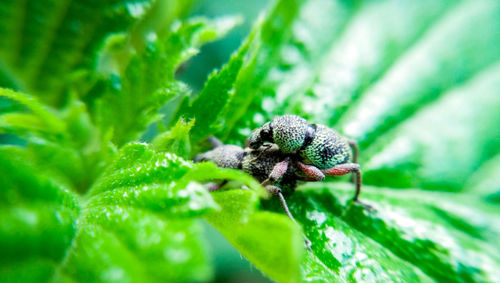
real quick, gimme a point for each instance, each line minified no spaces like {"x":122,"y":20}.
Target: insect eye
{"x":266,"y":134}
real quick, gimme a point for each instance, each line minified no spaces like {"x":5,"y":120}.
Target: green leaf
{"x":64,"y":139}
{"x":413,"y":147}
{"x":40,"y":50}
{"x":208,"y":171}
{"x":143,"y":209}
{"x":206,"y":107}
{"x":452,"y":44}
{"x":38,"y":216}
{"x":249,"y":231}
{"x":137,"y":82}
{"x":485,"y":181}
{"x":139,"y":222}
{"x":264,"y":43}
{"x":41,"y":117}
{"x":438,"y":233}
{"x":176,"y":140}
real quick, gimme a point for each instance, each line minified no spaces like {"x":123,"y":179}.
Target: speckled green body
{"x":289,"y":132}
{"x":327,"y":149}
{"x":316,"y":144}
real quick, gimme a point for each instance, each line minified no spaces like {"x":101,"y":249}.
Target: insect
{"x":317,"y":149}
{"x":269,"y":165}
{"x":288,"y":150}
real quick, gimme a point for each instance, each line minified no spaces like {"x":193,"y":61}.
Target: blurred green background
{"x":214,"y":55}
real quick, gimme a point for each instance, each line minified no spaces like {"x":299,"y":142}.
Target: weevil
{"x":269,"y":165}
{"x":318,"y":150}
{"x":288,"y":150}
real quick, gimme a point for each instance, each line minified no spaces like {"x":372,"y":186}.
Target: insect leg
{"x":355,"y":149}
{"x":214,"y":186}
{"x":312,"y":172}
{"x":214,"y":142}
{"x":278,"y":171}
{"x":277,"y":192}
{"x":343,"y":169}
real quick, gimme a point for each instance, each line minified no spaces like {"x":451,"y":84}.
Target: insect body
{"x":269,"y":165}
{"x":289,"y":132}
{"x":279,"y":172}
{"x":316,"y":149}
{"x":287,"y":150}
{"x":317,"y":144}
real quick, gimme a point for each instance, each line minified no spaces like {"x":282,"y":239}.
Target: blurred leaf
{"x":372,"y":41}
{"x":38,"y":216}
{"x":206,"y":107}
{"x":62,"y":139}
{"x":40,"y":119}
{"x":452,"y":57}
{"x":176,"y":140}
{"x":136,"y":83}
{"x":464,"y":133}
{"x":269,"y":240}
{"x":40,"y":51}
{"x":486,"y":181}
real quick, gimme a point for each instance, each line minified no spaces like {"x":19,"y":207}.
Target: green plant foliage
{"x":128,"y":70}
{"x":206,"y":107}
{"x":249,"y":231}
{"x":82,"y":200}
{"x":475,"y":126}
{"x":176,"y":140}
{"x":484,"y":182}
{"x":39,"y":50}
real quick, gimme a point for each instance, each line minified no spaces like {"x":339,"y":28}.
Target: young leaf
{"x":206,"y":107}
{"x":264,"y":43}
{"x":58,"y":36}
{"x":40,"y":119}
{"x":137,"y":82}
{"x":176,"y":140}
{"x":138,"y":222}
{"x":270,"y":241}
